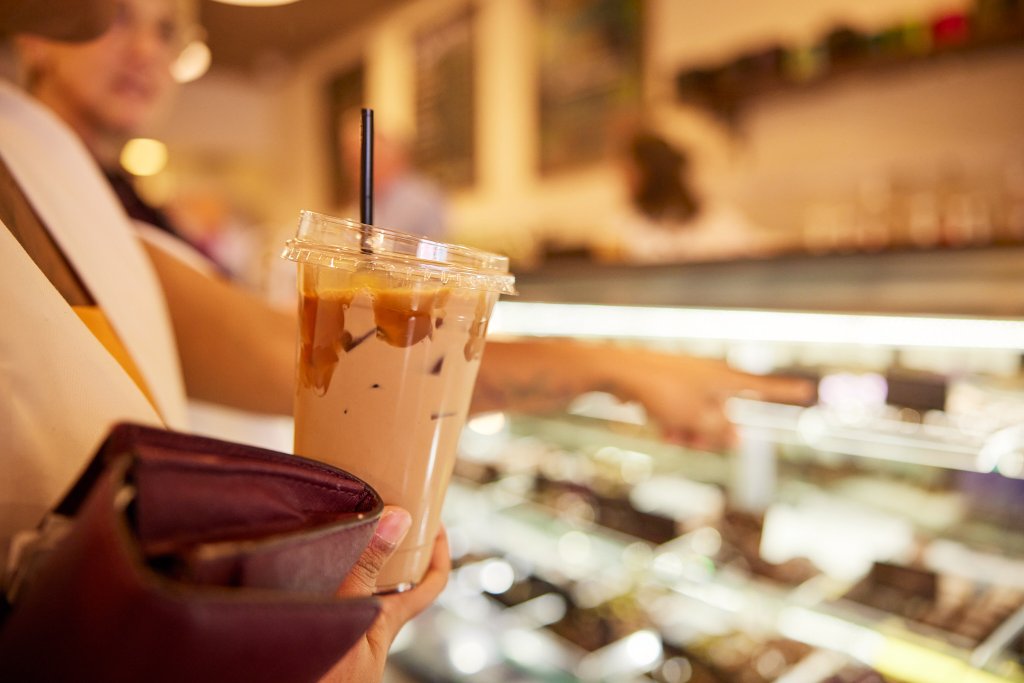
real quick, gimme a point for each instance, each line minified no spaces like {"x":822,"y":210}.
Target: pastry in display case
{"x":873,"y":536}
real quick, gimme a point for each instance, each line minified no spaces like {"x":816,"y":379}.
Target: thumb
{"x":391,"y":529}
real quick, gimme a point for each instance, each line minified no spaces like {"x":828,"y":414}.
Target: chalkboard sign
{"x":589,"y":77}
{"x":444,"y":146}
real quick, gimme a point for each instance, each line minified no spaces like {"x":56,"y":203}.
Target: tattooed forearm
{"x":538,"y":376}
{"x":533,"y":393}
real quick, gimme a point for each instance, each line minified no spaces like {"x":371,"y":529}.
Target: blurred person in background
{"x":109,"y":89}
{"x":403,"y":198}
{"x":668,"y":220}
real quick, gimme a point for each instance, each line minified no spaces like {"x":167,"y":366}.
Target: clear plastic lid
{"x":343,"y":243}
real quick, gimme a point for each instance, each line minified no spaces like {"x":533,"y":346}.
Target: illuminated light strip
{"x":257,"y":3}
{"x":824,"y":630}
{"x":648,"y":322}
{"x":891,"y":656}
{"x":918,"y":664}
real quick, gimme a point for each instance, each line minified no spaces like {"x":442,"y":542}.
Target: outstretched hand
{"x":364,"y":663}
{"x":686,"y":396}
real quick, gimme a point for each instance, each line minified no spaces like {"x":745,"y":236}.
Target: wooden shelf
{"x":728,"y":89}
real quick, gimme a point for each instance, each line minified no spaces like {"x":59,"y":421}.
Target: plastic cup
{"x":391,"y":331}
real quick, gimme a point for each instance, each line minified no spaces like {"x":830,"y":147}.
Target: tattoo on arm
{"x":534,"y":393}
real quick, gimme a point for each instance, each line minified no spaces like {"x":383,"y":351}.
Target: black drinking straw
{"x":366,"y":178}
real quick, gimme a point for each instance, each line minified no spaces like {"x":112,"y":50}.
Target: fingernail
{"x":393,"y":526}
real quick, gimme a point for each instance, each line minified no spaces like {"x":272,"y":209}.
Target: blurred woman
{"x":89,"y":342}
{"x":112,"y":88}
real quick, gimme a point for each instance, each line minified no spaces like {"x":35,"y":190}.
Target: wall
{"x":790,"y":152}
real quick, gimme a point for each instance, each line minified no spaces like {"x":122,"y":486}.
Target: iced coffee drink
{"x":391,"y":333}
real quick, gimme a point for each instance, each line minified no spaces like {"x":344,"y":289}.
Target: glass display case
{"x":876,"y":535}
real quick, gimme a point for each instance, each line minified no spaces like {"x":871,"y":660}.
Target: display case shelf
{"x":621,"y":556}
{"x":532,"y":535}
{"x":500,"y":519}
{"x":875,"y":437}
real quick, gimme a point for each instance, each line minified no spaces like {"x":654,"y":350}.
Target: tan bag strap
{"x":22,"y":220}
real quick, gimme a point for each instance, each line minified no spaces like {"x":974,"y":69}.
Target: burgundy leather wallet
{"x":192,"y":559}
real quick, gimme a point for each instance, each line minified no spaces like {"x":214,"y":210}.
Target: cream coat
{"x":61,"y":390}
